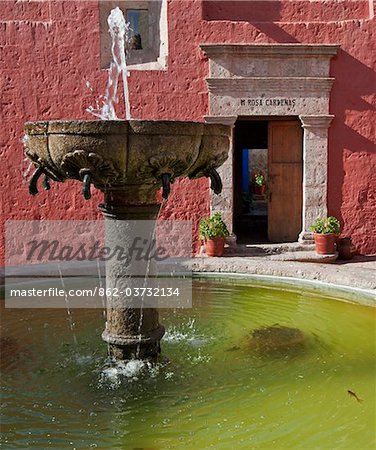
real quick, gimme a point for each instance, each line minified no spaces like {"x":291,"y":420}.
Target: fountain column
{"x":131,"y":331}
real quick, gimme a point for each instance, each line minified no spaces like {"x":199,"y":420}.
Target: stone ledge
{"x":271,"y":50}
{"x":267,"y":249}
{"x":281,"y":252}
{"x":305,"y":256}
{"x":359,"y":273}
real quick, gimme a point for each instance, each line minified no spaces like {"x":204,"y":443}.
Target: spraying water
{"x":145,"y":283}
{"x":70,"y":319}
{"x":119,"y":30}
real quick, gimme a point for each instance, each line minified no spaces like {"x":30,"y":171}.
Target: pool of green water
{"x":211,"y":390}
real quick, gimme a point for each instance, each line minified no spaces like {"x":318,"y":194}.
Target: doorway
{"x":267,"y":180}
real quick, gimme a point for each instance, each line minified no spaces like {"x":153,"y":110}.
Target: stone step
{"x":267,"y":249}
{"x":305,"y":256}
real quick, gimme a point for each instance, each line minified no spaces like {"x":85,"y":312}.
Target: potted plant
{"x":259,"y":182}
{"x":213,"y":232}
{"x":326,"y":232}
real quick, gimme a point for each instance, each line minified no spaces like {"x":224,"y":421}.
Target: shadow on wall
{"x":351,"y":140}
{"x":242,"y":11}
{"x":261,"y":14}
{"x":347,"y":99}
{"x":285,"y":10}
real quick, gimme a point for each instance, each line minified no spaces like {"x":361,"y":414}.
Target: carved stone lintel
{"x":270,"y":50}
{"x":272,"y":85}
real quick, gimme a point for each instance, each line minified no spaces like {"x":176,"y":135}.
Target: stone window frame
{"x":152,"y":58}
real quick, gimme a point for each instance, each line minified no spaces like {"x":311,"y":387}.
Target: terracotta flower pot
{"x":215,"y":246}
{"x":259,"y":190}
{"x":325,"y":243}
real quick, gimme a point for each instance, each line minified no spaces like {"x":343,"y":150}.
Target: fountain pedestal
{"x":130,"y":332}
{"x":128,"y":161}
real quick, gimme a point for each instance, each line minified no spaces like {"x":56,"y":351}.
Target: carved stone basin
{"x":112,"y":154}
{"x":129,"y":161}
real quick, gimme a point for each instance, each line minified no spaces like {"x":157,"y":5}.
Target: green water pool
{"x":211,"y":390}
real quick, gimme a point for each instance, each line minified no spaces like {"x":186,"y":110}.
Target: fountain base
{"x":131,"y":347}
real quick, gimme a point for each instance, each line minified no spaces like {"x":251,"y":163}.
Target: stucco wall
{"x":48,"y":49}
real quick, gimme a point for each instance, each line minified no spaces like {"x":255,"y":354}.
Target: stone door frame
{"x":275,"y":80}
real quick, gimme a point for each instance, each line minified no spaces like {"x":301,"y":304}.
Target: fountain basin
{"x":213,"y":392}
{"x":119,"y":153}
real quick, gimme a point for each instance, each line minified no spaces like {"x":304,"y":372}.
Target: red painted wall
{"x":48,"y":49}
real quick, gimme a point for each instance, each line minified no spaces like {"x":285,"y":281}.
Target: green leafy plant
{"x":259,"y":178}
{"x":326,"y":226}
{"x":213,"y":227}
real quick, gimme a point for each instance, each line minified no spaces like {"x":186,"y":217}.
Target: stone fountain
{"x":129,"y":161}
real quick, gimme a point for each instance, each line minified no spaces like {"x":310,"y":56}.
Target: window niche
{"x":148,"y":23}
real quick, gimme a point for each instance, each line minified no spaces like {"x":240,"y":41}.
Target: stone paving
{"x":296,"y":262}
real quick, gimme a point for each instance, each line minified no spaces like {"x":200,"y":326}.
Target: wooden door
{"x":285,"y":180}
